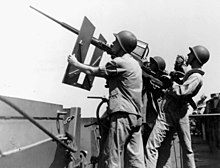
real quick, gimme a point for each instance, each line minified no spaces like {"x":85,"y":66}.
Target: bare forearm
{"x":89,"y":70}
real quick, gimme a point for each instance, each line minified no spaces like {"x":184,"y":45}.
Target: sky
{"x":34,"y":49}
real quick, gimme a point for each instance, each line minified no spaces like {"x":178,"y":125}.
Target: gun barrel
{"x":70,"y":28}
{"x":94,"y":41}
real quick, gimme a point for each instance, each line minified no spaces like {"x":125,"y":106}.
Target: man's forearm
{"x":89,"y":70}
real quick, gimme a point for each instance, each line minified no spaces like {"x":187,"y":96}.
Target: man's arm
{"x":188,"y":87}
{"x":89,"y":70}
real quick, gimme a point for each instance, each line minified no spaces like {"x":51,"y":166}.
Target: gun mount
{"x":85,"y":37}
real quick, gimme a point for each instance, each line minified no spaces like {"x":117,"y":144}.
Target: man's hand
{"x":89,"y":70}
{"x":72,"y":60}
{"x":179,"y":63}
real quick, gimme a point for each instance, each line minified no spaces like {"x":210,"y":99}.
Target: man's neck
{"x":196,"y":65}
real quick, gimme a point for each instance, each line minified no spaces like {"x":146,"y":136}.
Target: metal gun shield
{"x":80,"y":50}
{"x":95,"y":61}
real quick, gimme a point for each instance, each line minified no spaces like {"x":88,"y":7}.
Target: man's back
{"x":125,"y":86}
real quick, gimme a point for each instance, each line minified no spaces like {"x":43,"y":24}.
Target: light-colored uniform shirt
{"x":192,"y":82}
{"x":174,"y":106}
{"x":124,"y":78}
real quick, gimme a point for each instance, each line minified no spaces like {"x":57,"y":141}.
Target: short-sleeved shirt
{"x":192,"y":83}
{"x":124,"y":78}
{"x":175,"y":104}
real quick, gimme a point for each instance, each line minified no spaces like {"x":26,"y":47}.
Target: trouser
{"x":146,"y":133}
{"x":162,"y":136}
{"x":123,"y":147}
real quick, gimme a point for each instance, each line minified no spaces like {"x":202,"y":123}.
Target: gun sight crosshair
{"x":85,"y":37}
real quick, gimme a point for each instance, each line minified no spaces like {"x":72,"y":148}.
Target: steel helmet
{"x":127,"y":40}
{"x":201,"y":53}
{"x":159,"y":61}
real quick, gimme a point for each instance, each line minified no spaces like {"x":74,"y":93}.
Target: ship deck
{"x":205,"y":155}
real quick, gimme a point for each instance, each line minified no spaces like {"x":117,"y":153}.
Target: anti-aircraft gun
{"x":85,"y":38}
